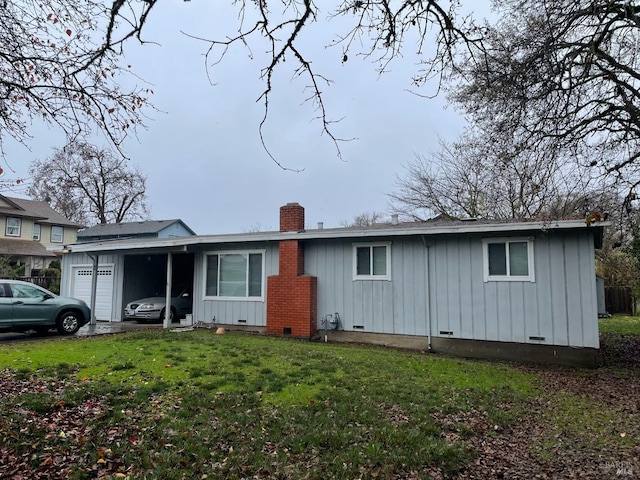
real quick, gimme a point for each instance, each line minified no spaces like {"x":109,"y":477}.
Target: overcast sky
{"x":202,"y":152}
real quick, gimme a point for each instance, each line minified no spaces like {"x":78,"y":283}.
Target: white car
{"x":153,"y":308}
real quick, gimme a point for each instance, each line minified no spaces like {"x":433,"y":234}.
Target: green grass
{"x":160,"y":404}
{"x":620,"y":324}
{"x":181,"y":405}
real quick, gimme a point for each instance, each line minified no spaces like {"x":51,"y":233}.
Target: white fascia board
{"x":391,"y":231}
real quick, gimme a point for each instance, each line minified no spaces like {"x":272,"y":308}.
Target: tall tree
{"x":60,"y":62}
{"x":566,"y":71}
{"x":476,"y":178}
{"x":90,"y":185}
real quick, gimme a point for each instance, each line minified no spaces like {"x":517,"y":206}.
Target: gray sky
{"x":202,"y":152}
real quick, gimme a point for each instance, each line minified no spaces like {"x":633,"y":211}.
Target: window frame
{"x":247,"y":298}
{"x":371,"y":246}
{"x":531,"y":277}
{"x":38,"y":227}
{"x":18,"y":226}
{"x":53,"y":227}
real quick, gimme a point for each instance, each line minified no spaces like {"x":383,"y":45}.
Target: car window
{"x":3,"y":291}
{"x":26,"y":291}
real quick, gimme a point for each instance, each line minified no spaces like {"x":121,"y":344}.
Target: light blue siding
{"x":560,"y":306}
{"x":232,"y":312}
{"x":397,"y":306}
{"x":442,"y":279}
{"x":174,"y":230}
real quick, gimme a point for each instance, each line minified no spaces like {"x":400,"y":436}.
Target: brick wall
{"x":292,"y":296}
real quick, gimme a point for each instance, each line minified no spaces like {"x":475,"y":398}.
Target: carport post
{"x":94,"y":287}
{"x":167,"y":308}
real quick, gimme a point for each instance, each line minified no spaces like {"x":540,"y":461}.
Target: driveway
{"x":100,"y":328}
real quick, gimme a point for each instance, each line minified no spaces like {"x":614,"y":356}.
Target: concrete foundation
{"x":519,"y":352}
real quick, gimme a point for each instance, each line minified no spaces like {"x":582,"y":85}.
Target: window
{"x":235,"y":275}
{"x":57,"y":234}
{"x":372,"y":261}
{"x":13,"y":227}
{"x":36,"y":231}
{"x":508,"y":260}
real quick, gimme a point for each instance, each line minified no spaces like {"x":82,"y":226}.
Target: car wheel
{"x":172,"y":315}
{"x":68,"y":323}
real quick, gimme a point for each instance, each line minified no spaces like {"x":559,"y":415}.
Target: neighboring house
{"x":146,"y":229}
{"x":520,"y":290}
{"x":28,"y":227}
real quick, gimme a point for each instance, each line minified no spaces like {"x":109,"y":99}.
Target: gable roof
{"x":37,"y":210}
{"x":130,"y":229}
{"x":420,"y":229}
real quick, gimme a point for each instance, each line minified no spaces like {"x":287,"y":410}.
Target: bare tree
{"x":565,"y":71}
{"x":474,"y":178}
{"x":60,"y":63}
{"x":377,"y":30}
{"x":364,"y":219}
{"x":90,"y":185}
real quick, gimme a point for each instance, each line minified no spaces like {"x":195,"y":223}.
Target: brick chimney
{"x":291,"y":295}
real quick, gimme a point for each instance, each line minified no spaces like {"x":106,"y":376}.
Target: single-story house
{"x":523,"y":290}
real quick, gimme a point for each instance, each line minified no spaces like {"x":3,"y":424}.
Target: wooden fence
{"x":50,"y":283}
{"x":619,"y":300}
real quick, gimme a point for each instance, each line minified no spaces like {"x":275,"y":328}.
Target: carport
{"x":109,"y":274}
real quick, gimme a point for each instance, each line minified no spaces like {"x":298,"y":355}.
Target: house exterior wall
{"x":232,"y":312}
{"x":116,"y":260}
{"x":174,"y":230}
{"x":559,"y":308}
{"x":396,"y":306}
{"x":442,"y":279}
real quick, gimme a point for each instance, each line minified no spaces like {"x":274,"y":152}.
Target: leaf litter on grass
{"x":453,"y":422}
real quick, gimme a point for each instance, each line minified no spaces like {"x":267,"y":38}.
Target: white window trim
{"x":6,"y":230}
{"x":508,"y":278}
{"x":234,"y":299}
{"x":386,"y":277}
{"x":39,"y":229}
{"x":51,"y":235}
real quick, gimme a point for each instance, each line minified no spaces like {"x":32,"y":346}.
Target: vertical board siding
{"x":230,"y":311}
{"x":397,"y":306}
{"x":559,"y":306}
{"x":440,"y":278}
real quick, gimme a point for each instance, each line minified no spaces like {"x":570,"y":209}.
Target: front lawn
{"x":197,"y":405}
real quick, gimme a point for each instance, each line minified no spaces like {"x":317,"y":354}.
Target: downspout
{"x":428,"y":277}
{"x":94,"y":287}
{"x":167,"y":305}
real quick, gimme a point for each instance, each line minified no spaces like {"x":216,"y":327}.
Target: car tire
{"x":68,"y":323}
{"x":172,"y":315}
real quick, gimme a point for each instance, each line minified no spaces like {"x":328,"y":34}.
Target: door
{"x":30,"y":306}
{"x":81,"y":288}
{"x":6,"y":306}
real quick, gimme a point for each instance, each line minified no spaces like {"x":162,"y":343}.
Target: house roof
{"x":23,"y":248}
{"x":423,"y":229}
{"x":36,"y":210}
{"x":129,"y":229}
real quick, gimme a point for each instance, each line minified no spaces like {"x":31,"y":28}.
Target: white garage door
{"x":104,"y":290}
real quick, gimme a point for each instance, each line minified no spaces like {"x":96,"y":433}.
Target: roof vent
{"x":394,"y":219}
{"x":320,"y":225}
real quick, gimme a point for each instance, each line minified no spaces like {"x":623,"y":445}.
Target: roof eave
{"x":395,"y":231}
